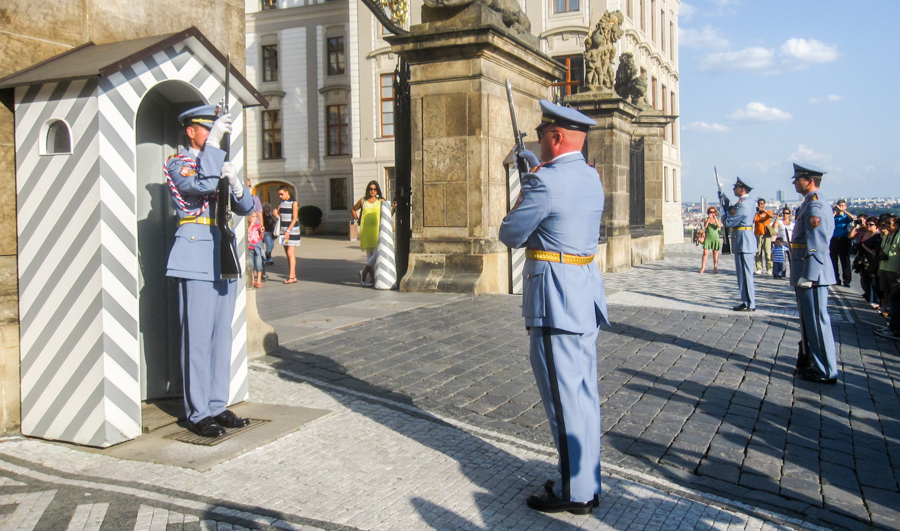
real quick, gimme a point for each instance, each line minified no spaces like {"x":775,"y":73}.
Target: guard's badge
{"x":814,"y":221}
{"x":733,"y":211}
{"x":814,"y":197}
{"x":187,"y":171}
{"x":518,"y":202}
{"x":531,"y":181}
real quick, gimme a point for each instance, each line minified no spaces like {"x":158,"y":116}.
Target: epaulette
{"x":536,"y":168}
{"x":814,"y":197}
{"x":531,"y":181}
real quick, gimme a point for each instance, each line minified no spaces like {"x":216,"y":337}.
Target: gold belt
{"x":550,"y":256}
{"x":743,"y":228}
{"x":195,"y":219}
{"x":798,"y":246}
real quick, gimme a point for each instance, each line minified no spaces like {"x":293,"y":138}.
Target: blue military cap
{"x":204,"y":115}
{"x":806,"y":171}
{"x":742,"y":184}
{"x":564,"y":117}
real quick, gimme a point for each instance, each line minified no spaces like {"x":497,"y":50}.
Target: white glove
{"x":230,"y":172}
{"x":804,"y":283}
{"x":220,"y":127}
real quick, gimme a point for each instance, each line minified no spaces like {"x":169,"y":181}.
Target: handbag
{"x":770,"y":231}
{"x":701,"y":237}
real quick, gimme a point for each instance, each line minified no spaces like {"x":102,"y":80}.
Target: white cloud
{"x":704,"y":127}
{"x":805,"y":154}
{"x":685,"y":12}
{"x":706,"y":38}
{"x":831,"y":98}
{"x":809,"y":51}
{"x":748,"y":59}
{"x":870,"y":169}
{"x":757,"y":112}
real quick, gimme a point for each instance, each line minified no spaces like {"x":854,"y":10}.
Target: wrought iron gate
{"x":636,"y":190}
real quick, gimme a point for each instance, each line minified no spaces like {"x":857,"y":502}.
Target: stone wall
{"x":31,"y":32}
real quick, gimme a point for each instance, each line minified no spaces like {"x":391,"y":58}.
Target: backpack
{"x":254,"y":236}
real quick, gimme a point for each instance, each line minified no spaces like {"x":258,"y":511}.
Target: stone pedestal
{"x":461,"y":132}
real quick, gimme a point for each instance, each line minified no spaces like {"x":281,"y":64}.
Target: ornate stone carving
{"x":600,"y":52}
{"x":629,"y":84}
{"x":513,"y":17}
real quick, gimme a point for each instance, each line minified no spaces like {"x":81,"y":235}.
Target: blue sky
{"x":766,"y":83}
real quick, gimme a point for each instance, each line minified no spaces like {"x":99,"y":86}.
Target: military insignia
{"x":530,"y":181}
{"x":187,"y":171}
{"x":733,"y":211}
{"x":814,"y":197}
{"x":814,"y":221}
{"x":518,"y":202}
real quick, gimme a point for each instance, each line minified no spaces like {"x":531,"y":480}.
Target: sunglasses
{"x":541,"y":133}
{"x":373,"y":189}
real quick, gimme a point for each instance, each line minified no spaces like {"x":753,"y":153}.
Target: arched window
{"x":58,"y":139}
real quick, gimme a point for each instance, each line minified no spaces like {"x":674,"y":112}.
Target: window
{"x":671,"y":40}
{"x":269,"y":4}
{"x":653,"y":88}
{"x":665,"y":111}
{"x":662,"y":30}
{"x":629,"y":11}
{"x":338,"y":193}
{"x":387,"y":105}
{"x":674,"y":129}
{"x":574,"y":76}
{"x":564,"y":6}
{"x":336,"y":64}
{"x":653,"y":20}
{"x":390,"y":183}
{"x":270,"y":62}
{"x":643,"y":17}
{"x":271,"y":130}
{"x":58,"y":140}
{"x":338,"y":130}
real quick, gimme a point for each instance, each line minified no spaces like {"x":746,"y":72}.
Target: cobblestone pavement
{"x":691,"y":391}
{"x":436,"y":424}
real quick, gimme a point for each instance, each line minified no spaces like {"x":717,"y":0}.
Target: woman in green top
{"x":711,"y":226}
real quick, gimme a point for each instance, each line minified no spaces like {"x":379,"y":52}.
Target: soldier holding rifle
{"x":557,"y":219}
{"x":206,"y":299}
{"x":739,"y":218}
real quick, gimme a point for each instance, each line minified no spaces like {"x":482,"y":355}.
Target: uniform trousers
{"x":206,"y":309}
{"x":764,"y":253}
{"x":565,"y":368}
{"x":815,"y":329}
{"x":744,"y":270}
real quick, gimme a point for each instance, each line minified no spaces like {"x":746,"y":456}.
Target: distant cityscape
{"x":693,"y":213}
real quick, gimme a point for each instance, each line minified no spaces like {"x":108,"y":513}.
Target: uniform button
{"x":192,"y":238}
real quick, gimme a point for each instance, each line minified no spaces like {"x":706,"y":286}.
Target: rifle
{"x":230,"y":267}
{"x":723,"y":200}
{"x":521,"y":164}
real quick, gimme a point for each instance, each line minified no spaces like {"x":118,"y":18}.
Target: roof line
{"x":45,"y":61}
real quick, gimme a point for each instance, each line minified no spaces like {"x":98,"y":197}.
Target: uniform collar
{"x":194,"y":152}
{"x":556,"y":158}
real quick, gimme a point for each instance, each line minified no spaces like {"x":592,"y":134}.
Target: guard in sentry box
{"x":206,"y":301}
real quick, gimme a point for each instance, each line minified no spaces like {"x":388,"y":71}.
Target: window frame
{"x":272,"y":139}
{"x":341,"y":128}
{"x":336,"y":56}
{"x":268,"y":5}
{"x":569,"y":84}
{"x":340,"y":196}
{"x":382,"y":100}
{"x":567,"y":5}
{"x":269,"y":63}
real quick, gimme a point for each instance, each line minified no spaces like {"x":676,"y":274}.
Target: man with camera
{"x":763,"y":230}
{"x":840,"y":241}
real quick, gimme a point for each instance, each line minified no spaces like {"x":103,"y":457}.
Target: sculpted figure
{"x":513,"y":16}
{"x":600,"y":52}
{"x":629,"y":85}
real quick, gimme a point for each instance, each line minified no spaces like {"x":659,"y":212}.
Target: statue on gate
{"x":600,"y":52}
{"x":630,"y":86}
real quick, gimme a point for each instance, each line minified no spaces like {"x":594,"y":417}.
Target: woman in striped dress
{"x":290,"y":230}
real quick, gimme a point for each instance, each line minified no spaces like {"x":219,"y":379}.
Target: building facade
{"x":327,"y":71}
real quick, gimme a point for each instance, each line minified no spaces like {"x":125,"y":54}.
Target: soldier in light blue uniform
{"x":206,"y":301}
{"x":739,"y":218}
{"x":557,"y":218}
{"x":811,"y":274}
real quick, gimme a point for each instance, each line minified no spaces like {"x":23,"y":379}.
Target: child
{"x":257,"y":251}
{"x":779,"y":255}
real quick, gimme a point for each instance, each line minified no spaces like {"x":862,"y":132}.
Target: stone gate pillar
{"x":608,"y":149}
{"x":459,"y":62}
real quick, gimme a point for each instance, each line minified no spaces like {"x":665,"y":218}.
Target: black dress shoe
{"x":811,"y":376}
{"x":230,"y":420}
{"x":548,"y":503}
{"x":548,"y":488}
{"x":207,"y":427}
{"x":743,"y":308}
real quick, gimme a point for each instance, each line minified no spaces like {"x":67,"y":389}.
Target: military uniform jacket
{"x":195,"y":253}
{"x":810,"y":241}
{"x":741,"y":214}
{"x":560,"y":211}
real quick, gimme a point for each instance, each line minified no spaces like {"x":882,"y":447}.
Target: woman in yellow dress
{"x":369,"y":220}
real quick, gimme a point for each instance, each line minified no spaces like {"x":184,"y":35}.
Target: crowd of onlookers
{"x":867,"y":245}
